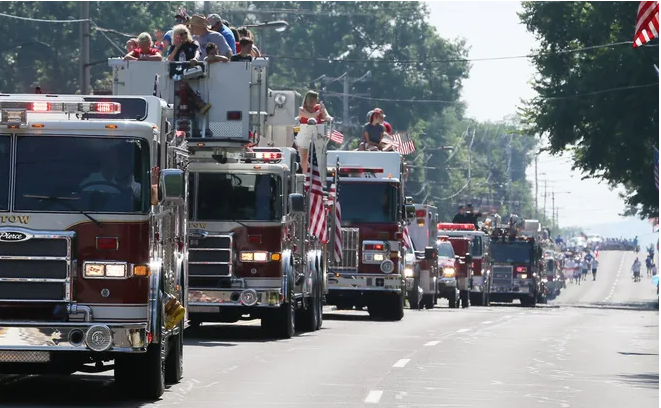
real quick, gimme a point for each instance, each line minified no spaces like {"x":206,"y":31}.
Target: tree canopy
{"x":597,"y":96}
{"x":415,"y":76}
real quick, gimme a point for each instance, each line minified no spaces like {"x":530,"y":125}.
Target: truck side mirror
{"x":296,"y":203}
{"x":172,"y":186}
{"x":410,"y":212}
{"x":430,"y":253}
{"x":469,"y":258}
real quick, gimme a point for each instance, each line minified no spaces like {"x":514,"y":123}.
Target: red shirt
{"x":317,"y":108}
{"x":238,"y":47}
{"x":137,"y":53}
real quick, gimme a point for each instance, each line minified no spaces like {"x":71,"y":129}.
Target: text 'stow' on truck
{"x":370,"y":271}
{"x":421,"y":264}
{"x":516,"y":266}
{"x":475,"y":283}
{"x":251,"y":256}
{"x":92,"y":249}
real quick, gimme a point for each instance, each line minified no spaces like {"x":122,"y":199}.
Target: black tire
{"x":143,"y":375}
{"x":320,"y":302}
{"x":282,"y":322}
{"x":414,"y":299}
{"x":174,"y":363}
{"x":530,"y":301}
{"x":453,"y":300}
{"x":306,"y":319}
{"x":465,"y":299}
{"x":396,"y":308}
{"x":428,"y":301}
{"x":477,"y":299}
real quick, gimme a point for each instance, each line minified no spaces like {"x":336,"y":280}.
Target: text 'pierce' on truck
{"x":370,"y":272}
{"x":91,"y":239}
{"x":250,"y":253}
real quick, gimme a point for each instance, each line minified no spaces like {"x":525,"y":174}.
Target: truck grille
{"x":502,"y":275}
{"x":350,"y":246}
{"x":210,"y":256}
{"x":37,"y":269}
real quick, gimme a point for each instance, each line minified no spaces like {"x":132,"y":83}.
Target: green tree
{"x":601,"y":103}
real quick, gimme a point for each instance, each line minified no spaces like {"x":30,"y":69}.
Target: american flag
{"x":317,"y":211}
{"x":406,"y":238}
{"x":596,"y":251}
{"x":647,"y":23}
{"x":656,"y":168}
{"x":335,"y":136}
{"x":403,"y":143}
{"x":338,"y":219}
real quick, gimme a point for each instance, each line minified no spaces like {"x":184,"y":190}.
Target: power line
{"x":40,"y":20}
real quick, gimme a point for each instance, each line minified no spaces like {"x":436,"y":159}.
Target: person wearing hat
{"x":164,"y":42}
{"x":217,"y":25}
{"x":202,"y":34}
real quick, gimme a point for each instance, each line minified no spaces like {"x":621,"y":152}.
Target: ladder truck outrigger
{"x":250,"y":255}
{"x":92,"y":248}
{"x":370,"y":271}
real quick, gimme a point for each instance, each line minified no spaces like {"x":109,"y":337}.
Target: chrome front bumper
{"x":364,"y":282}
{"x":478,"y":284}
{"x":30,"y":342}
{"x":517,"y":287}
{"x":209,"y":301}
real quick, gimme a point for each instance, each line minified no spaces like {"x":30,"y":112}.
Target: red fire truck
{"x":251,"y":256}
{"x":374,"y":212}
{"x":92,"y":241}
{"x":422,"y":284}
{"x":479,"y":283}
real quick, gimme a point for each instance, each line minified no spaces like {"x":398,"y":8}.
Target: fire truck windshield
{"x":476,"y":249}
{"x":4,"y":173}
{"x":511,"y":252}
{"x":235,"y":196}
{"x":82,"y":174}
{"x":368,"y":202}
{"x":445,"y":250}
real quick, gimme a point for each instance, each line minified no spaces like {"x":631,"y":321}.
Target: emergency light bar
{"x":448,"y":226}
{"x":346,"y":170}
{"x":264,"y":156}
{"x":420,"y":213}
{"x":106,"y":108}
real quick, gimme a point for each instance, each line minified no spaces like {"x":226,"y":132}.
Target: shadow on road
{"x":637,"y":306}
{"x":624,"y":353}
{"x":71,"y":391}
{"x":216,"y":335}
{"x":647,"y":380}
{"x":348,"y":317}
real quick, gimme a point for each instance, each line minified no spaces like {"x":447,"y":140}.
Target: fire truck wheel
{"x":281,"y":323}
{"x":530,"y":301}
{"x":307,"y":318}
{"x":414,"y":299}
{"x":478,"y":299}
{"x":142,"y":374}
{"x":174,"y":364}
{"x":320,"y":305}
{"x":453,"y":300}
{"x":428,"y":301}
{"x":465,"y":299}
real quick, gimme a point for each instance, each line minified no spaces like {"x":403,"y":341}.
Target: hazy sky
{"x":494,"y":89}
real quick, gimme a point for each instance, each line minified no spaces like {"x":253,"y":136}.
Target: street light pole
{"x":85,"y":75}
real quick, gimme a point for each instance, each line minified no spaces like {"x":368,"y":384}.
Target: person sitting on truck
{"x":218,"y":26}
{"x":309,"y":109}
{"x":460,"y":217}
{"x":373,"y":132}
{"x":200,"y":28}
{"x":472,"y":216}
{"x":212,"y":54}
{"x":244,"y":54}
{"x":183,"y":47}
{"x":145,"y":51}
{"x":244,"y":32}
{"x":131,"y":45}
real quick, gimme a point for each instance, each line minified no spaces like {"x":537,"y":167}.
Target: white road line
{"x":617,"y":279}
{"x":401,"y":363}
{"x":373,"y":397}
{"x":463,"y":330}
{"x":432,"y":343}
{"x":487,"y":322}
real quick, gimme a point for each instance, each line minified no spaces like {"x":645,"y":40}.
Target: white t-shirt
{"x":595,"y":264}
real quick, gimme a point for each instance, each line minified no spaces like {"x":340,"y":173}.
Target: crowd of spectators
{"x":193,"y":39}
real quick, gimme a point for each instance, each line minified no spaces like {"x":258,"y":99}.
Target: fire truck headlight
{"x":448,"y":272}
{"x":105,"y":270}
{"x":378,"y":257}
{"x":387,"y":266}
{"x":254,"y":256}
{"x":523,"y":276}
{"x":98,"y":338}
{"x":408,"y":272}
{"x":280,"y":99}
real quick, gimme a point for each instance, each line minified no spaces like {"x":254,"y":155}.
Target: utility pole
{"x":509,"y":175}
{"x":345,"y":101}
{"x":545,"y":198}
{"x":85,"y":76}
{"x":207,"y":10}
{"x":536,"y":192}
{"x":470,"y":147}
{"x":553,"y":208}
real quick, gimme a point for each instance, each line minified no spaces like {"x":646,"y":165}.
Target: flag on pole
{"x":647,"y":23}
{"x":403,"y":143}
{"x":596,"y":251}
{"x":656,"y":168}
{"x":338,"y":220}
{"x":406,"y":238}
{"x":318,"y":227}
{"x":335,"y":136}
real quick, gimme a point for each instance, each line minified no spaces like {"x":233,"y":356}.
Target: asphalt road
{"x":596,"y":345}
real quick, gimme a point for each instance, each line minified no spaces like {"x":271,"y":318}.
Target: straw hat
{"x":198,"y":21}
